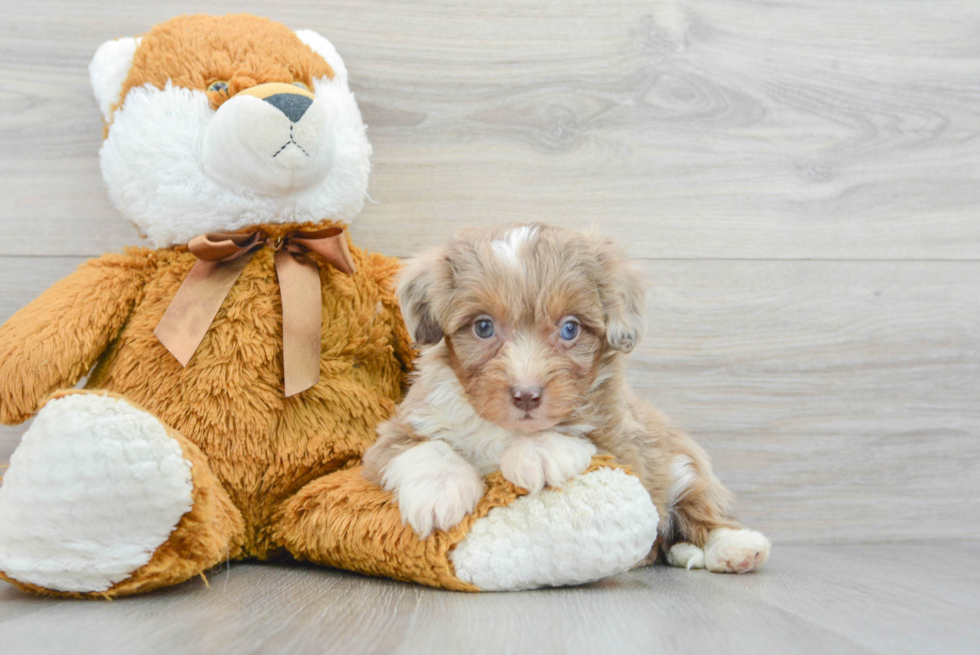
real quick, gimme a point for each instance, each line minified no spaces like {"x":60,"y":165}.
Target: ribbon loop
{"x":220,"y":247}
{"x":221,"y":259}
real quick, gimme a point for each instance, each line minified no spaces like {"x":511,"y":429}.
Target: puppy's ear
{"x":416,"y":284}
{"x":622,"y":292}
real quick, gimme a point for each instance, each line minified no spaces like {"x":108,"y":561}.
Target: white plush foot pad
{"x":94,"y":488}
{"x":685,"y":556}
{"x":598,"y":524}
{"x":735,"y":551}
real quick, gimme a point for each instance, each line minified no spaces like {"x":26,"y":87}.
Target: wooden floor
{"x":879,"y":598}
{"x":800,"y":180}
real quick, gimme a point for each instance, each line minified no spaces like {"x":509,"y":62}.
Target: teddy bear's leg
{"x":101,"y":499}
{"x":598,"y":524}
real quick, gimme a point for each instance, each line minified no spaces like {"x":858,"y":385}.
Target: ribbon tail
{"x":195,"y":305}
{"x":302,"y":306}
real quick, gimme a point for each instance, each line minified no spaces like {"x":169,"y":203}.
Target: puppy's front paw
{"x":550,"y":458}
{"x":435,"y":487}
{"x":735,"y":551}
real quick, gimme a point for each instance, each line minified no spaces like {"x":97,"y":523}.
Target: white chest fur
{"x":447,"y":415}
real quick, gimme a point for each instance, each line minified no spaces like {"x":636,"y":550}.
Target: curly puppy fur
{"x":527,"y":328}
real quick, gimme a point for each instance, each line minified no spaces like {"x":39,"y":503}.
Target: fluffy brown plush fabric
{"x":243,"y":50}
{"x":227,"y":408}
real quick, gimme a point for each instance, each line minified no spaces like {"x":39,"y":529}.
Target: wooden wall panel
{"x":799,"y":179}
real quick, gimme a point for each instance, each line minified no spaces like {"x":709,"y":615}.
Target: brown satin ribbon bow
{"x":221,"y":258}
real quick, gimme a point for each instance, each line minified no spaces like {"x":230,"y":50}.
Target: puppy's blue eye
{"x":483,"y":328}
{"x":569,"y":330}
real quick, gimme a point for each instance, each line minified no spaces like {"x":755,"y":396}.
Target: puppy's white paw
{"x":735,"y":551}
{"x":549,"y":458}
{"x":685,"y":556}
{"x":436,"y":487}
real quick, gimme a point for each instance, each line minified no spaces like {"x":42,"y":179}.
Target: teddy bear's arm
{"x":598,"y":524}
{"x":56,"y":339}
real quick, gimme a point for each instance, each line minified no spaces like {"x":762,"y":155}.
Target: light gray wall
{"x":800,"y":180}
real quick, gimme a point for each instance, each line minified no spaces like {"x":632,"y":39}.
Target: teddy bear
{"x":238,"y":364}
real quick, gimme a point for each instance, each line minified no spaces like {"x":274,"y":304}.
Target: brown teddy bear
{"x":238,"y":368}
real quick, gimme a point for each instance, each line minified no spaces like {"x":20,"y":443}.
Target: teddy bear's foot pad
{"x":598,"y":524}
{"x":94,"y":488}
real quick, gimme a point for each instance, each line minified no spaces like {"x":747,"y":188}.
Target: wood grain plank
{"x":320,"y":611}
{"x":847,"y":599}
{"x":838,"y":399}
{"x":901,"y":603}
{"x":699,"y":129}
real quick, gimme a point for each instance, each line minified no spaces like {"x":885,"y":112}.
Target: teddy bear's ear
{"x":109,"y":69}
{"x":325,"y":49}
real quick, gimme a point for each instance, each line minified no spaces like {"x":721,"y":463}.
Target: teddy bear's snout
{"x":275,"y":138}
{"x":291,"y":100}
{"x":293,"y":105}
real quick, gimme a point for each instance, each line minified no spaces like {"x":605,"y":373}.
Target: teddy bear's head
{"x":218,"y":123}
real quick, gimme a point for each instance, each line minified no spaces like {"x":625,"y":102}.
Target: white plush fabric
{"x":158,"y":175}
{"x":325,"y":49}
{"x":94,"y":488}
{"x":109,"y":69}
{"x":599,"y":524}
{"x":274,"y":156}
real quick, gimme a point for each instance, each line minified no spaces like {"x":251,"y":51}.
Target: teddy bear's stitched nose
{"x":293,"y":105}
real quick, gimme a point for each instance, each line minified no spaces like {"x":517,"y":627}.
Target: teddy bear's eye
{"x":301,"y":85}
{"x":218,"y":86}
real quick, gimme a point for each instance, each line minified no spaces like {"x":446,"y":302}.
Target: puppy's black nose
{"x":293,"y":105}
{"x":526,"y":398}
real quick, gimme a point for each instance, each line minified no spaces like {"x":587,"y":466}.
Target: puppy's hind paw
{"x":550,"y":458}
{"x":735,"y":551}
{"x":685,"y":556}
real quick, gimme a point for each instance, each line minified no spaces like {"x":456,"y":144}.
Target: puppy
{"x":528,"y":325}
